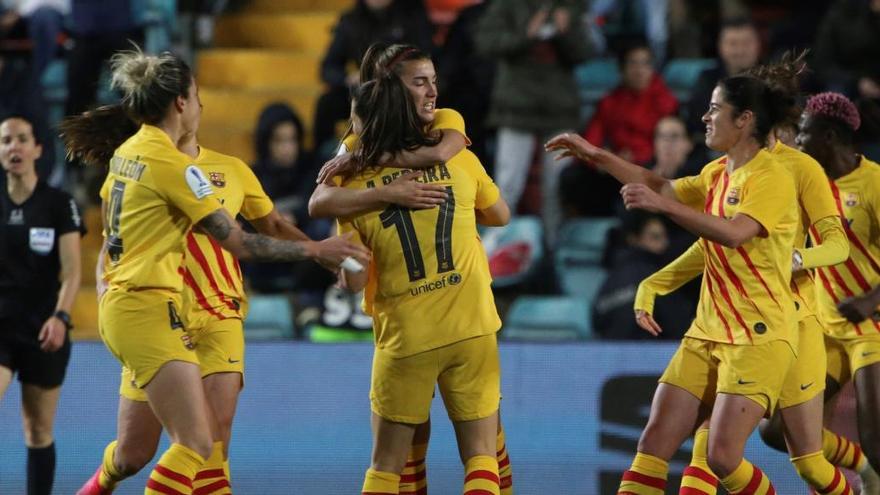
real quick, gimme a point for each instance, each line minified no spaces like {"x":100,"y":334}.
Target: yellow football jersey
{"x":815,"y":202}
{"x":857,"y":197}
{"x":432,"y":281}
{"x":444,"y":118}
{"x":153,"y":195}
{"x":745,"y":298}
{"x":212,"y":274}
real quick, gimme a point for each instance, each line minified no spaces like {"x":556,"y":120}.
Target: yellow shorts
{"x":806,"y":377}
{"x":467,"y":372}
{"x":144,"y":331}
{"x":219,"y":346}
{"x":706,"y":368}
{"x":845,"y":357}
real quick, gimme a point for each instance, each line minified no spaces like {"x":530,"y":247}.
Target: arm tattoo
{"x":263,"y":248}
{"x":216,"y":225}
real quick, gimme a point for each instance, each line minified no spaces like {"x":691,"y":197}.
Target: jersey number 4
{"x":114,"y":210}
{"x":401,"y":219}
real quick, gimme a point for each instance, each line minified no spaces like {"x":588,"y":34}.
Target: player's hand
{"x":858,"y":309}
{"x":333,"y":167}
{"x":562,"y":19}
{"x":52,"y":334}
{"x":537,"y":22}
{"x":642,"y":197}
{"x":406,"y":191}
{"x":573,"y":145}
{"x":333,"y":250}
{"x":647,"y":323}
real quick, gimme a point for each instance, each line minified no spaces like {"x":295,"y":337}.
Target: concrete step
{"x":257,"y":69}
{"x":287,"y":6}
{"x":240,"y":108}
{"x":308,"y":32}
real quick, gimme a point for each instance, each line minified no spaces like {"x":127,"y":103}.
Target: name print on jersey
{"x":436,"y":173}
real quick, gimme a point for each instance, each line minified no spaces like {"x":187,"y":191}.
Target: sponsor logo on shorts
{"x":806,"y":386}
{"x":868,"y":353}
{"x":233,"y":361}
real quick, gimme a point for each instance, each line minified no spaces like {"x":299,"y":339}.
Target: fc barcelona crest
{"x":851,"y":199}
{"x":733,"y":196}
{"x":217,"y":178}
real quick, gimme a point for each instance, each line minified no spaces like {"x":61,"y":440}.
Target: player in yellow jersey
{"x":416,"y":70}
{"x":421,"y":340}
{"x":732,"y":360}
{"x":847,"y":291}
{"x":801,"y":398}
{"x":153,"y":197}
{"x":214,"y":301}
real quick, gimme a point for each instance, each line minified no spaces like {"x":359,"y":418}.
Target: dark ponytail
{"x":93,"y":136}
{"x":390,"y":122}
{"x":783,"y":80}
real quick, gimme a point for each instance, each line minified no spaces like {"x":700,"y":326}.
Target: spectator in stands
{"x":537,"y":46}
{"x":622,"y":21}
{"x":43,"y":20}
{"x":847,"y":51}
{"x":288,"y":176}
{"x":739,"y":49}
{"x":672,"y":149}
{"x":644,"y":242}
{"x":369,"y":21}
{"x":466,"y":78}
{"x":625,"y":118}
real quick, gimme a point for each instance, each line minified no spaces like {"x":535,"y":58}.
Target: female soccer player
{"x":848,"y":290}
{"x":445,"y":270}
{"x":801,"y":397}
{"x":416,"y":70}
{"x":40,"y":231}
{"x":214,"y":302}
{"x":732,"y":360}
{"x":152,"y":198}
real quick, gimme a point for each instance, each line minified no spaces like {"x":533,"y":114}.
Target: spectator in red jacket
{"x":625,"y":118}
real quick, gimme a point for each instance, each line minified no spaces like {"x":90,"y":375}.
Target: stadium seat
{"x":580,"y":279}
{"x":583,"y":240}
{"x":269,"y":318}
{"x":596,"y":78}
{"x":681,"y":74}
{"x":548,"y":318}
{"x":515,"y":250}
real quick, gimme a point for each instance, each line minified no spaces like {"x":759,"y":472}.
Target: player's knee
{"x":37,"y":434}
{"x":130,"y":459}
{"x":723,"y":457}
{"x":771,"y":434}
{"x":653,"y":441}
{"x":387,"y":463}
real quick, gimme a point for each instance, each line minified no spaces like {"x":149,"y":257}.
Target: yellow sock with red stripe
{"x":211,"y":478}
{"x":174,"y":472}
{"x":505,"y":473}
{"x":414,"y":478}
{"x":821,"y":475}
{"x":481,"y":476}
{"x":698,"y":478}
{"x":380,"y":483}
{"x":842,"y":452}
{"x":226,"y":471}
{"x":747,"y":479}
{"x":109,"y":475}
{"x":646,"y":476}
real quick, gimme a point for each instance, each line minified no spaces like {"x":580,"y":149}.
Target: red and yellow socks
{"x":698,"y":478}
{"x":481,"y":476}
{"x":380,"y":483}
{"x":505,"y":473}
{"x":646,"y":476}
{"x":174,"y":472}
{"x":821,"y":475}
{"x":211,"y":478}
{"x":842,"y":452}
{"x":747,"y":479}
{"x":413,"y":479}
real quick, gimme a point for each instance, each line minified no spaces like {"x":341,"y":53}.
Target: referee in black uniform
{"x":40,"y":229}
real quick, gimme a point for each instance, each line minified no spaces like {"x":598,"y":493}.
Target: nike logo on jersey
{"x":804,"y":387}
{"x":743,"y":382}
{"x":866,"y":354}
{"x":233,"y":361}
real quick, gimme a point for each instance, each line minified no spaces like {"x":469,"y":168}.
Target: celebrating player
{"x":152,"y":198}
{"x":735,"y":355}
